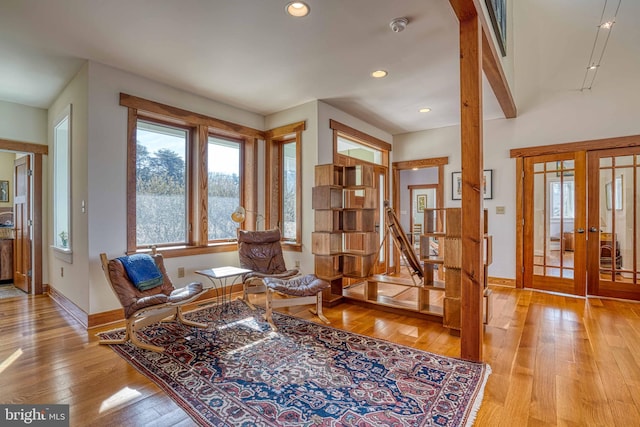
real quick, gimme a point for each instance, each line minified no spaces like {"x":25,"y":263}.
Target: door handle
{"x":593,"y":230}
{"x":580,"y":230}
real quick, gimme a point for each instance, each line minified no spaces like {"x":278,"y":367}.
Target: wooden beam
{"x":472,"y":282}
{"x":491,"y":63}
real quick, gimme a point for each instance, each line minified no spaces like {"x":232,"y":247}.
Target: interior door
{"x":614,"y":223}
{"x":554,"y":227}
{"x":21,"y":217}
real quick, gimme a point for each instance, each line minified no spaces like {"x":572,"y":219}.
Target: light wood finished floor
{"x":556,"y":360}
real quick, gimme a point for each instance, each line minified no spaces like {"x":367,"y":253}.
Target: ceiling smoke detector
{"x":398,"y":24}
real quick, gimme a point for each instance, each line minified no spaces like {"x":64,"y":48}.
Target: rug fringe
{"x":473,"y":413}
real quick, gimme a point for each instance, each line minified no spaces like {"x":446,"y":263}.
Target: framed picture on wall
{"x":421,"y":202}
{"x":487,"y":184}
{"x":4,"y":191}
{"x":456,"y":185}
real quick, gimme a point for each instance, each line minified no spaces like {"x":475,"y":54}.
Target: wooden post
{"x":472,"y":187}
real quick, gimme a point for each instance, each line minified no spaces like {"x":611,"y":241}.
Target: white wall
{"x":23,"y":123}
{"x":70,"y":279}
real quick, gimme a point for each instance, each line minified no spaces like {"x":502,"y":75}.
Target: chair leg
{"x":268,"y":315}
{"x":180,"y":317}
{"x":245,"y":297}
{"x":318,"y":310}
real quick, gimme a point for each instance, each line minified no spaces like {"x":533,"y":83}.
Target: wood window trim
{"x":274,"y":138}
{"x":201,"y":127}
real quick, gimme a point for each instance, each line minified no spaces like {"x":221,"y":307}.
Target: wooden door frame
{"x":520,"y":153}
{"x":37,"y":151}
{"x":397,"y":167}
{"x":623,"y":290}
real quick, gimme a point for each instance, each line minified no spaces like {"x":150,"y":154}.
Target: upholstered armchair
{"x":149,"y":300}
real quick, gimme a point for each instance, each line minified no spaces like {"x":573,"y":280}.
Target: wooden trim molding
{"x":69,"y":306}
{"x":25,"y":147}
{"x":569,"y":147}
{"x":500,"y":281}
{"x":491,"y":63}
{"x":360,"y":136}
{"x":167,"y":111}
{"x":422,"y":163}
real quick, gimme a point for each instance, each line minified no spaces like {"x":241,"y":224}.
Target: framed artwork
{"x":456,"y":185}
{"x":421,"y":202}
{"x":487,"y":185}
{"x":4,"y":191}
{"x":607,"y":195}
{"x":498,"y":15}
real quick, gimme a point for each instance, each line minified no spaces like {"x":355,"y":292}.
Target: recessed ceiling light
{"x":378,"y":74}
{"x":424,"y":110}
{"x":298,"y":9}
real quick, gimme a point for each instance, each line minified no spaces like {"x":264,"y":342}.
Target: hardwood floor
{"x":556,"y":360}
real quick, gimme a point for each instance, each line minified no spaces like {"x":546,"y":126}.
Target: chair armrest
{"x":189,"y":291}
{"x":283,"y":275}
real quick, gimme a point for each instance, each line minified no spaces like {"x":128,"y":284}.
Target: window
{"x":289,"y":190}
{"x":350,"y":148}
{"x":350,"y":143}
{"x":223,"y":182}
{"x":161,"y":184}
{"x":62,"y":184}
{"x":186,"y":174}
{"x":284,"y":183}
{"x":562,"y":200}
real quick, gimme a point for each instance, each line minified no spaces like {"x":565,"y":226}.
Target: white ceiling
{"x":250,"y":54}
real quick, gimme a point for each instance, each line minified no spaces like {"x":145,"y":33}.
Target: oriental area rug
{"x":238,"y":372}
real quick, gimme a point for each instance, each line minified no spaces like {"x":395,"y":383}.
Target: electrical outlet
{"x":180,"y":272}
{"x":61,"y":271}
{"x":297,"y":263}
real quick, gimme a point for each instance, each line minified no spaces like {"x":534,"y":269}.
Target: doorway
{"x":554,"y":218}
{"x":32,"y":233}
{"x":580,"y":216}
{"x":614,"y":223}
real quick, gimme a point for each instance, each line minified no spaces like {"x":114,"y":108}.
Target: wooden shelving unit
{"x":344,"y":242}
{"x":441,"y":253}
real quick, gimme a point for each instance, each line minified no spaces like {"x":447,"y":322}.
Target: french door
{"x":582,"y":222}
{"x":614,"y":223}
{"x":554,"y":223}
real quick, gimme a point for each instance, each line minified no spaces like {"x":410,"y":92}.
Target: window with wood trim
{"x":186,"y":174}
{"x":284,"y":183}
{"x":351,"y":146}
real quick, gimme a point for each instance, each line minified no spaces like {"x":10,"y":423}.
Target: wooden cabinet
{"x":344,"y":242}
{"x":6,"y":259}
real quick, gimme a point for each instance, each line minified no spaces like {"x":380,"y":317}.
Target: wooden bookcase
{"x":344,"y":242}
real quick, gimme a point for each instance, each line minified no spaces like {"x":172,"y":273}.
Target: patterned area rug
{"x":237,"y":372}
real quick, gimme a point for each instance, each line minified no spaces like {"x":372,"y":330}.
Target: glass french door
{"x":614,"y":223}
{"x":554,"y":223}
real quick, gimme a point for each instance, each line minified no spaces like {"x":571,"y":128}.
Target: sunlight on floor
{"x":120,"y":398}
{"x":9,"y":360}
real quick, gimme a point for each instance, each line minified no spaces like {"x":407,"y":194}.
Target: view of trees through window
{"x":162,"y":186}
{"x":224,"y":187}
{"x":161,"y":202}
{"x":289,"y":196}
